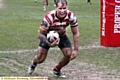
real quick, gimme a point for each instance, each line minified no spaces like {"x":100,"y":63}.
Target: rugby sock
{"x":47,"y":2}
{"x":57,"y":68}
{"x":34,"y":64}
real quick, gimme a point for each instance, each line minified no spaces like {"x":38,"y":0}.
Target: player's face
{"x":61,"y":10}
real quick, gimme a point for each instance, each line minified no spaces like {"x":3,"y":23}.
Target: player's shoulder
{"x":70,"y":14}
{"x":68,"y":11}
{"x":50,"y":13}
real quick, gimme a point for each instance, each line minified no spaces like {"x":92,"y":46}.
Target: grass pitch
{"x":19,"y":22}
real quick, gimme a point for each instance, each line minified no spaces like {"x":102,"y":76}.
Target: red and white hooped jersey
{"x":59,"y":25}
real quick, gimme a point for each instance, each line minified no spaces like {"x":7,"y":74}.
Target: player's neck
{"x":59,"y":17}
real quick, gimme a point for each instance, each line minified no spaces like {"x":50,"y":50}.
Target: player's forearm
{"x":76,"y":41}
{"x":43,"y":38}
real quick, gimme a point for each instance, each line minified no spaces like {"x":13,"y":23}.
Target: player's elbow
{"x":39,"y":35}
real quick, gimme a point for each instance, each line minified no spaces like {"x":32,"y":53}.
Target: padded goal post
{"x":110,"y":23}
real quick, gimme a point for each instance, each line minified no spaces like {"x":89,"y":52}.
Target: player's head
{"x":61,"y":8}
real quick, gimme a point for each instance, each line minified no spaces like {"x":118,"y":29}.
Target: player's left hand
{"x":55,"y":43}
{"x":73,"y":55}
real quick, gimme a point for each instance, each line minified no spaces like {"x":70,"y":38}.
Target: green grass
{"x":19,"y":23}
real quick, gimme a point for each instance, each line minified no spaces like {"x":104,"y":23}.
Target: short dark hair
{"x":62,"y":1}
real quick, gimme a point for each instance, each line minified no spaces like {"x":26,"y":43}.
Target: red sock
{"x":35,"y":64}
{"x":57,"y":68}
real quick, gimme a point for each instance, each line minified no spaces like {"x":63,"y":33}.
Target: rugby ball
{"x":52,"y":36}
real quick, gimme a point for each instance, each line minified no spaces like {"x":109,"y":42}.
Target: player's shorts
{"x":64,"y":43}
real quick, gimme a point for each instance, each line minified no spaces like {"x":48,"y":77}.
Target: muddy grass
{"x":75,"y":70}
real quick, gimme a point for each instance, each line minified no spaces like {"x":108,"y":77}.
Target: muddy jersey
{"x":60,"y":24}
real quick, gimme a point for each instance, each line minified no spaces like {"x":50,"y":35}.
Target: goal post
{"x":110,"y":23}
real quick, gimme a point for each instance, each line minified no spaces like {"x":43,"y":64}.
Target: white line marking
{"x":35,"y":50}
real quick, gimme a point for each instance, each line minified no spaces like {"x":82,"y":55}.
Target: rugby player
{"x":89,"y":2}
{"x":44,"y":3}
{"x":58,"y":20}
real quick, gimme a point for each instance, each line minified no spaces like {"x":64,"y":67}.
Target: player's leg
{"x":35,"y":1}
{"x":89,"y":2}
{"x":47,"y":3}
{"x":44,"y":4}
{"x":54,"y":2}
{"x":65,"y":46}
{"x":39,"y":58}
{"x":65,"y":59}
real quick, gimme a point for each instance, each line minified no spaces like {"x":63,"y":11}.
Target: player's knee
{"x":41,"y":58}
{"x":67,"y":52}
{"x":68,"y":55}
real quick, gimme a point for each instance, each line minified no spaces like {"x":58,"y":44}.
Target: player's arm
{"x":43,"y":38}
{"x":42,"y":31}
{"x":75,"y":31}
{"x":76,"y":37}
{"x":41,"y":35}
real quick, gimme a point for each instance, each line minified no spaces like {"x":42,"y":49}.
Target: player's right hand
{"x":43,"y":29}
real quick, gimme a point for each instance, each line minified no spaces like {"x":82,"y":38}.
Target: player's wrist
{"x":76,"y":50}
{"x":47,"y":42}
